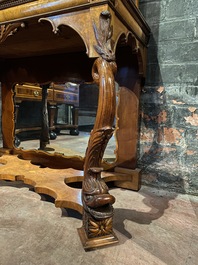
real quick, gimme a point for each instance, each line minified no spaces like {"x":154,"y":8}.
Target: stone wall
{"x":169,"y":105}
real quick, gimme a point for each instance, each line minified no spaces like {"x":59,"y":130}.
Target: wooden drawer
{"x":55,"y":96}
{"x":30,"y":92}
{"x":66,"y":97}
{"x":66,"y":93}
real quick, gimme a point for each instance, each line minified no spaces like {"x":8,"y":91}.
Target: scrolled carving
{"x":103,"y":74}
{"x":54,"y":26}
{"x":96,"y":197}
{"x":8,"y":30}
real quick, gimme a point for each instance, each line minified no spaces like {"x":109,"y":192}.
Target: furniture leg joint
{"x":134,"y":183}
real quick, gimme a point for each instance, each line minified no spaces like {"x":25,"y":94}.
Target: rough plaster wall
{"x":169,"y":126}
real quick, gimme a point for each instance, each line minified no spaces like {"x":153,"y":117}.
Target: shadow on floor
{"x":157,"y":203}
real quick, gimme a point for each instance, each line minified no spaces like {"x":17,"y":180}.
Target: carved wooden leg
{"x":74,"y":112}
{"x":16,"y":112}
{"x":97,"y":227}
{"x":52,"y":113}
{"x":44,"y":137}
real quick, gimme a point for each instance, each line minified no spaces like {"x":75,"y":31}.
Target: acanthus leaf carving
{"x":97,"y":202}
{"x":9,"y":30}
{"x":103,"y":36}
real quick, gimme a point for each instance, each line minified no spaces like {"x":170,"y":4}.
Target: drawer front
{"x":25,"y":92}
{"x":66,"y":97}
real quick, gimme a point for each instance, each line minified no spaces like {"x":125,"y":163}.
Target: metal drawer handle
{"x":36,"y":93}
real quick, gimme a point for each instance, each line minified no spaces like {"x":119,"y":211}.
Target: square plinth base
{"x":92,"y":243}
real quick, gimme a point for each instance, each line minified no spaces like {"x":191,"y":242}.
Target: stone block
{"x":190,"y":74}
{"x":178,"y":114}
{"x":181,"y":95}
{"x":163,"y":177}
{"x":192,"y":91}
{"x":191,"y":158}
{"x":150,"y":95}
{"x":176,"y":9}
{"x":192,"y":7}
{"x":196,"y":29}
{"x":178,"y":52}
{"x":152,"y":11}
{"x":172,"y":73}
{"x":175,"y":30}
{"x":191,"y":137}
{"x":153,"y":75}
{"x":156,"y":53}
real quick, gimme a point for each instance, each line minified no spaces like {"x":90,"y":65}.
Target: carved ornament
{"x":97,"y":202}
{"x":9,"y":30}
{"x":103,"y":36}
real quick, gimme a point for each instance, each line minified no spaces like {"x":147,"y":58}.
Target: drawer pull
{"x":36,"y":93}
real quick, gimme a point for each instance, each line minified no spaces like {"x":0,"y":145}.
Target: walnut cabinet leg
{"x":97,"y":229}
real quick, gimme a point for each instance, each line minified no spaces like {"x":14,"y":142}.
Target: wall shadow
{"x":156,"y":157}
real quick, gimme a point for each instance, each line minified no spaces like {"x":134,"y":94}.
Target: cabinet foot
{"x":74,"y":132}
{"x":17,"y":141}
{"x":53,"y":135}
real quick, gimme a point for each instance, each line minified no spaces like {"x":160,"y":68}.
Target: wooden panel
{"x":127,"y":129}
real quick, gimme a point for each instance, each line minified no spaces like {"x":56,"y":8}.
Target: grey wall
{"x":169,"y":126}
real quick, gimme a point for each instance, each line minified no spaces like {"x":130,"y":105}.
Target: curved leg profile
{"x":97,"y":227}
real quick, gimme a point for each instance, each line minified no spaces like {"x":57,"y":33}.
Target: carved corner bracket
{"x":54,"y":26}
{"x":9,"y":30}
{"x":98,"y":212}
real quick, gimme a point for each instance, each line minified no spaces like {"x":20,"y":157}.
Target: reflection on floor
{"x":70,"y":145}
